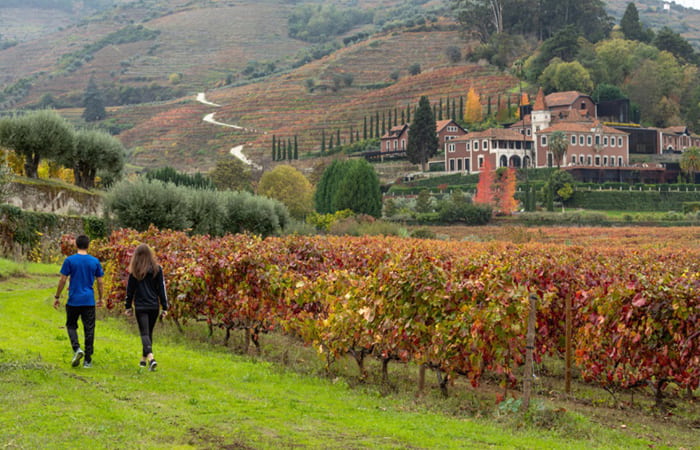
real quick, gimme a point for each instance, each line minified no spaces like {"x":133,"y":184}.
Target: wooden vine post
{"x":567,"y":343}
{"x":529,"y":350}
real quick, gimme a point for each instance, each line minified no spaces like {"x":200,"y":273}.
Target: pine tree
{"x":92,"y":101}
{"x":422,"y":140}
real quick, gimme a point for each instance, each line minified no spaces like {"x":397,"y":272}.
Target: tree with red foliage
{"x":484,"y":189}
{"x":506,"y":192}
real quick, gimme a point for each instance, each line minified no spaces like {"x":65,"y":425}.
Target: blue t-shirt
{"x":82,"y":270}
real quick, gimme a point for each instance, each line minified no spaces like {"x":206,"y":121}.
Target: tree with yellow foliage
{"x":473,"y":112}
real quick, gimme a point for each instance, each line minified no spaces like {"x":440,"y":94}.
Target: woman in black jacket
{"x":146,"y":289}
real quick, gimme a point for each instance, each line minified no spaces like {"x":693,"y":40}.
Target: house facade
{"x":526,"y":143}
{"x":395,"y":140}
{"x":504,"y":147}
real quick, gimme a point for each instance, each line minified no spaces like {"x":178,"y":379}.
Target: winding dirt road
{"x":235,"y":151}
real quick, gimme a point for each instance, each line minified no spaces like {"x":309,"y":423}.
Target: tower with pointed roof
{"x":541,"y":117}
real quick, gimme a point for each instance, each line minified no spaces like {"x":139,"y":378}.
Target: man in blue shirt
{"x":83,"y":270}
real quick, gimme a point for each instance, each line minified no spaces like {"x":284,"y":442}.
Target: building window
{"x":597,"y":160}
{"x":467,"y":165}
{"x":612,"y":161}
{"x":589,"y":160}
{"x":476,"y":145}
{"x":605,"y":141}
{"x":589,"y":140}
{"x":573,"y":159}
{"x":597,"y":140}
{"x":580,"y":140}
{"x":396,"y":145}
{"x":481,"y":162}
{"x":583,"y":105}
{"x":451,"y":148}
{"x":452,"y":165}
{"x":469,"y":145}
{"x":619,"y":161}
{"x":544,"y":140}
{"x":612,"y":142}
{"x":485,"y":145}
{"x":605,"y":160}
{"x":459,"y":165}
{"x":573,"y":139}
{"x":403,"y":144}
{"x":619,"y":142}
{"x":528,"y":132}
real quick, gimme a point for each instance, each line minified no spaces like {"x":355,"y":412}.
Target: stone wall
{"x":46,"y":197}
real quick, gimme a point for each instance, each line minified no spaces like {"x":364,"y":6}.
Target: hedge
{"x":632,"y":200}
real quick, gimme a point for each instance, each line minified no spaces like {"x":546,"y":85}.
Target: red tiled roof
{"x":505,"y":134}
{"x":579,"y":127}
{"x":563,"y":98}
{"x":540,"y":102}
{"x":440,"y":124}
{"x":675,"y":130}
{"x":394,"y":131}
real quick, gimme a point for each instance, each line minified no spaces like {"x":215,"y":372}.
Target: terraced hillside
{"x":200,"y":41}
{"x":285,"y":105}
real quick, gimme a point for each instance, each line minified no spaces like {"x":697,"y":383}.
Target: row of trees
{"x":44,"y":134}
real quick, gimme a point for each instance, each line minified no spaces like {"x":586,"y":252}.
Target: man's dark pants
{"x":87,"y":316}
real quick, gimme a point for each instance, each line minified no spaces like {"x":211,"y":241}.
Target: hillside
{"x":284,"y":106}
{"x":175,"y":50}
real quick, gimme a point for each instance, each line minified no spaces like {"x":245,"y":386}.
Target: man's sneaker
{"x":87,"y":365}
{"x":77,"y":357}
{"x":142,"y":363}
{"x":152,"y":365}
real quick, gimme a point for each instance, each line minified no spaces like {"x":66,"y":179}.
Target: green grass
{"x":204,"y":396}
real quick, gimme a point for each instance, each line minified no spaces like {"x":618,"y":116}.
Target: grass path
{"x":202,"y":396}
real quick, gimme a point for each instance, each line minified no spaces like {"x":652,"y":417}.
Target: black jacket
{"x":147,"y":293}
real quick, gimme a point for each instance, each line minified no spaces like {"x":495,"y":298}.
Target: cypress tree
{"x":396,"y":116}
{"x":274,"y":149}
{"x":296,"y":148}
{"x":364,"y":129}
{"x":439,"y":115}
{"x":330,"y":143}
{"x":488,"y":109}
{"x":408,"y":114}
{"x":389,"y":121}
{"x":403,"y":117}
{"x":461,"y":106}
{"x":323,"y":141}
{"x":352,"y":135}
{"x":337,"y":137}
{"x":453,"y":116}
{"x":289,"y":149}
{"x":376,"y":125}
{"x":383,"y":125}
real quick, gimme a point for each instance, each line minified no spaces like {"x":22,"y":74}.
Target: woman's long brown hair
{"x":142,"y":262}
